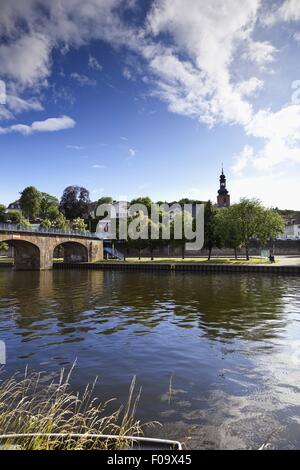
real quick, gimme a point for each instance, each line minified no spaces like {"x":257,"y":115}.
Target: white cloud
{"x":15,"y":105}
{"x":83,"y":80}
{"x":26,"y":60}
{"x":48,"y":125}
{"x":94,"y":64}
{"x":289,"y":10}
{"x":99,"y":167}
{"x":280,"y":132}
{"x":260,"y":52}
{"x":242,"y":160}
{"x":208,"y":34}
{"x":284,"y":123}
{"x":275,"y":189}
{"x":5,"y":114}
{"x":19,"y":105}
{"x":74,"y":147}
{"x":197,"y":71}
{"x":250,"y":87}
{"x":127,"y":73}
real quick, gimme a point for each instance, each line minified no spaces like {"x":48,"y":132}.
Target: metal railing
{"x":113,"y":252}
{"x":45,"y":231}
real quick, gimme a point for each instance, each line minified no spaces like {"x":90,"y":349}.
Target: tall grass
{"x":29,"y":404}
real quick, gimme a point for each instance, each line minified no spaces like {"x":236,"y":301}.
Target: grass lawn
{"x":6,"y":260}
{"x":252,"y":260}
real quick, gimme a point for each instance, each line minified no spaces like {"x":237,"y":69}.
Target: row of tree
{"x":36,"y":206}
{"x":234,"y":227}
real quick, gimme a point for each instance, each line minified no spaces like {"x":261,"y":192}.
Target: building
{"x":292,"y":228}
{"x":14,"y":206}
{"x":121,"y":209}
{"x":223,"y":199}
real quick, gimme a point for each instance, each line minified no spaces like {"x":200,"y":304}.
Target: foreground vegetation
{"x":31,"y":404}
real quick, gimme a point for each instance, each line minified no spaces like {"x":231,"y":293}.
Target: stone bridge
{"x":35,"y":251}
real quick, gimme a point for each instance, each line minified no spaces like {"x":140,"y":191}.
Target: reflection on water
{"x":228,"y":345}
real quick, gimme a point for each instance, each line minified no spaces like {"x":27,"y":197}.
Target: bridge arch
{"x":27,"y":255}
{"x":71,"y":252}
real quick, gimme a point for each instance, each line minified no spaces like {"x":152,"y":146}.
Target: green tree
{"x":145,"y":200}
{"x":104,"y":200}
{"x":30,"y":202}
{"x":48,"y":206}
{"x":212,"y":237}
{"x":229,"y":229}
{"x":2,"y":213}
{"x":61,"y":222}
{"x":52,"y":213}
{"x":257,"y":222}
{"x":180,"y":220}
{"x":154,"y":236}
{"x":271,"y":225}
{"x":75,"y":202}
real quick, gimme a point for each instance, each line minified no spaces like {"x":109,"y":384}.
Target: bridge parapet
{"x":47,"y":231}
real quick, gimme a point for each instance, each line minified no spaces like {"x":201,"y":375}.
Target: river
{"x":217,"y":356}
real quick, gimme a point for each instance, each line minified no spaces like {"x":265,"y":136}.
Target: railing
{"x":114,"y":252}
{"x":47,"y":231}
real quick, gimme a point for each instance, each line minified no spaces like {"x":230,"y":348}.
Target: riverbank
{"x":283,"y":266}
{"x":291,"y":270}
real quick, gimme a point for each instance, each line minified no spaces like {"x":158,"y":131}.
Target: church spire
{"x":223,"y":194}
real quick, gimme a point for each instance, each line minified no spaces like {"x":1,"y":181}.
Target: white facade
{"x":121,"y":209}
{"x":292,"y":229}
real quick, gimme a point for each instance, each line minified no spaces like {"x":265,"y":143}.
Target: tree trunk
{"x":209,"y":253}
{"x":247,"y":253}
{"x":183,"y":252}
{"x":152,"y":257}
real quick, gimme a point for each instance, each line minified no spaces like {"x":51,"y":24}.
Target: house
{"x":292,"y":228}
{"x":120,"y":209}
{"x":14,"y":206}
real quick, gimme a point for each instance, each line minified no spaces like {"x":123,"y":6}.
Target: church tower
{"x":223,"y":194}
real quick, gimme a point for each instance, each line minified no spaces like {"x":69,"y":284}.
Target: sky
{"x":150,"y":97}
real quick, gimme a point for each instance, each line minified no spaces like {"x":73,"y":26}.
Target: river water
{"x":217,"y":356}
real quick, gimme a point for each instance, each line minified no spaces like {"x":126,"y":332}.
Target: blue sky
{"x":133,"y":98}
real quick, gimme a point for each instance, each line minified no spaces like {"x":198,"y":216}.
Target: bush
{"x":79,"y":224}
{"x":3,"y":246}
{"x":46,"y":223}
{"x":24,"y":223}
{"x":14,"y":217}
